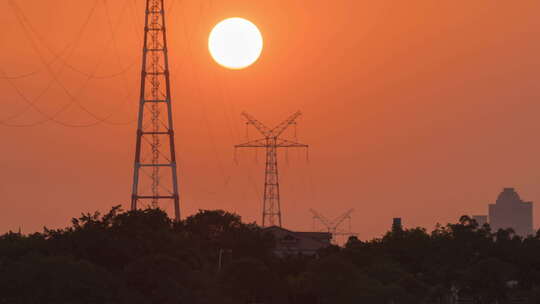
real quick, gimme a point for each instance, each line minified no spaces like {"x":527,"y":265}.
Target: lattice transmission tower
{"x":271,"y":142}
{"x":154,"y":176}
{"x":334,"y":226}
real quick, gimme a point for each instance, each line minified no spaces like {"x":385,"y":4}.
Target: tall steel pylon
{"x":154,"y":175}
{"x":271,"y":141}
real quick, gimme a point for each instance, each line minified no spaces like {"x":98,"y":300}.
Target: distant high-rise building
{"x":480,"y":219}
{"x":509,"y":211}
{"x":396,"y":224}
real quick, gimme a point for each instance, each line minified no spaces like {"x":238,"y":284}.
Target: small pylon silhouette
{"x":271,"y":142}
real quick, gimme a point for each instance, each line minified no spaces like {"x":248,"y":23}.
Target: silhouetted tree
{"x":143,"y":256}
{"x":56,"y":279}
{"x":248,"y":280}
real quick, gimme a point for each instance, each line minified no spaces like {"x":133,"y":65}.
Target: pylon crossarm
{"x":285,"y":124}
{"x":321,"y":218}
{"x":257,"y":143}
{"x":280,"y":142}
{"x":258,"y":125}
{"x":337,"y":221}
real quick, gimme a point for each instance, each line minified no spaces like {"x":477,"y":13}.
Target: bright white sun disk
{"x":235,"y":43}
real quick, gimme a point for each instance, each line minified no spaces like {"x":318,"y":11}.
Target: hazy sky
{"x":419,"y":109}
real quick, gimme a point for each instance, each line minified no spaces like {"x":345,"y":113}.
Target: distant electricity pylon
{"x":271,"y":141}
{"x":154,"y":175}
{"x":333,"y":226}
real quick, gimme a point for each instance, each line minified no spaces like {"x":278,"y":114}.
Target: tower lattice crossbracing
{"x":333,"y":225}
{"x":155,"y":180}
{"x":271,"y":142}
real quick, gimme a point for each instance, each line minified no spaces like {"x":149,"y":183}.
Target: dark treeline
{"x":212,"y":257}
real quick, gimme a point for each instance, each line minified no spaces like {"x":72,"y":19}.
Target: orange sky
{"x":418,"y":109}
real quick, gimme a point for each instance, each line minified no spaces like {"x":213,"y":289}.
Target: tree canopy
{"x":213,"y":257}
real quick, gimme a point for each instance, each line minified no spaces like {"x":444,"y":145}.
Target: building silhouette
{"x":396,"y":224}
{"x":293,"y":242}
{"x":509,"y":211}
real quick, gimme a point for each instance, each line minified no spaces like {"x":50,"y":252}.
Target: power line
{"x":20,"y":76}
{"x":58,"y":55}
{"x":73,"y":99}
{"x":43,"y":41}
{"x":48,"y":86}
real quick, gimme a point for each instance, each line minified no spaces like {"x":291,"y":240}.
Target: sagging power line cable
{"x":115,"y":44}
{"x":43,"y":41}
{"x":20,"y":76}
{"x":29,"y":104}
{"x":73,"y":98}
{"x":56,"y":57}
{"x":72,"y":45}
{"x":32,"y":104}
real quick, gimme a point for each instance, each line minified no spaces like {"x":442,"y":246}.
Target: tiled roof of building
{"x":291,"y":242}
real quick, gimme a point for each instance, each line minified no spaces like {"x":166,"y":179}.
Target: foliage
{"x":213,"y":257}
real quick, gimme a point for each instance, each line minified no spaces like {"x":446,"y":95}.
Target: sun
{"x":235,"y":43}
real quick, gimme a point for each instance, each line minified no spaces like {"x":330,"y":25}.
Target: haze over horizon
{"x":420,"y":110}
